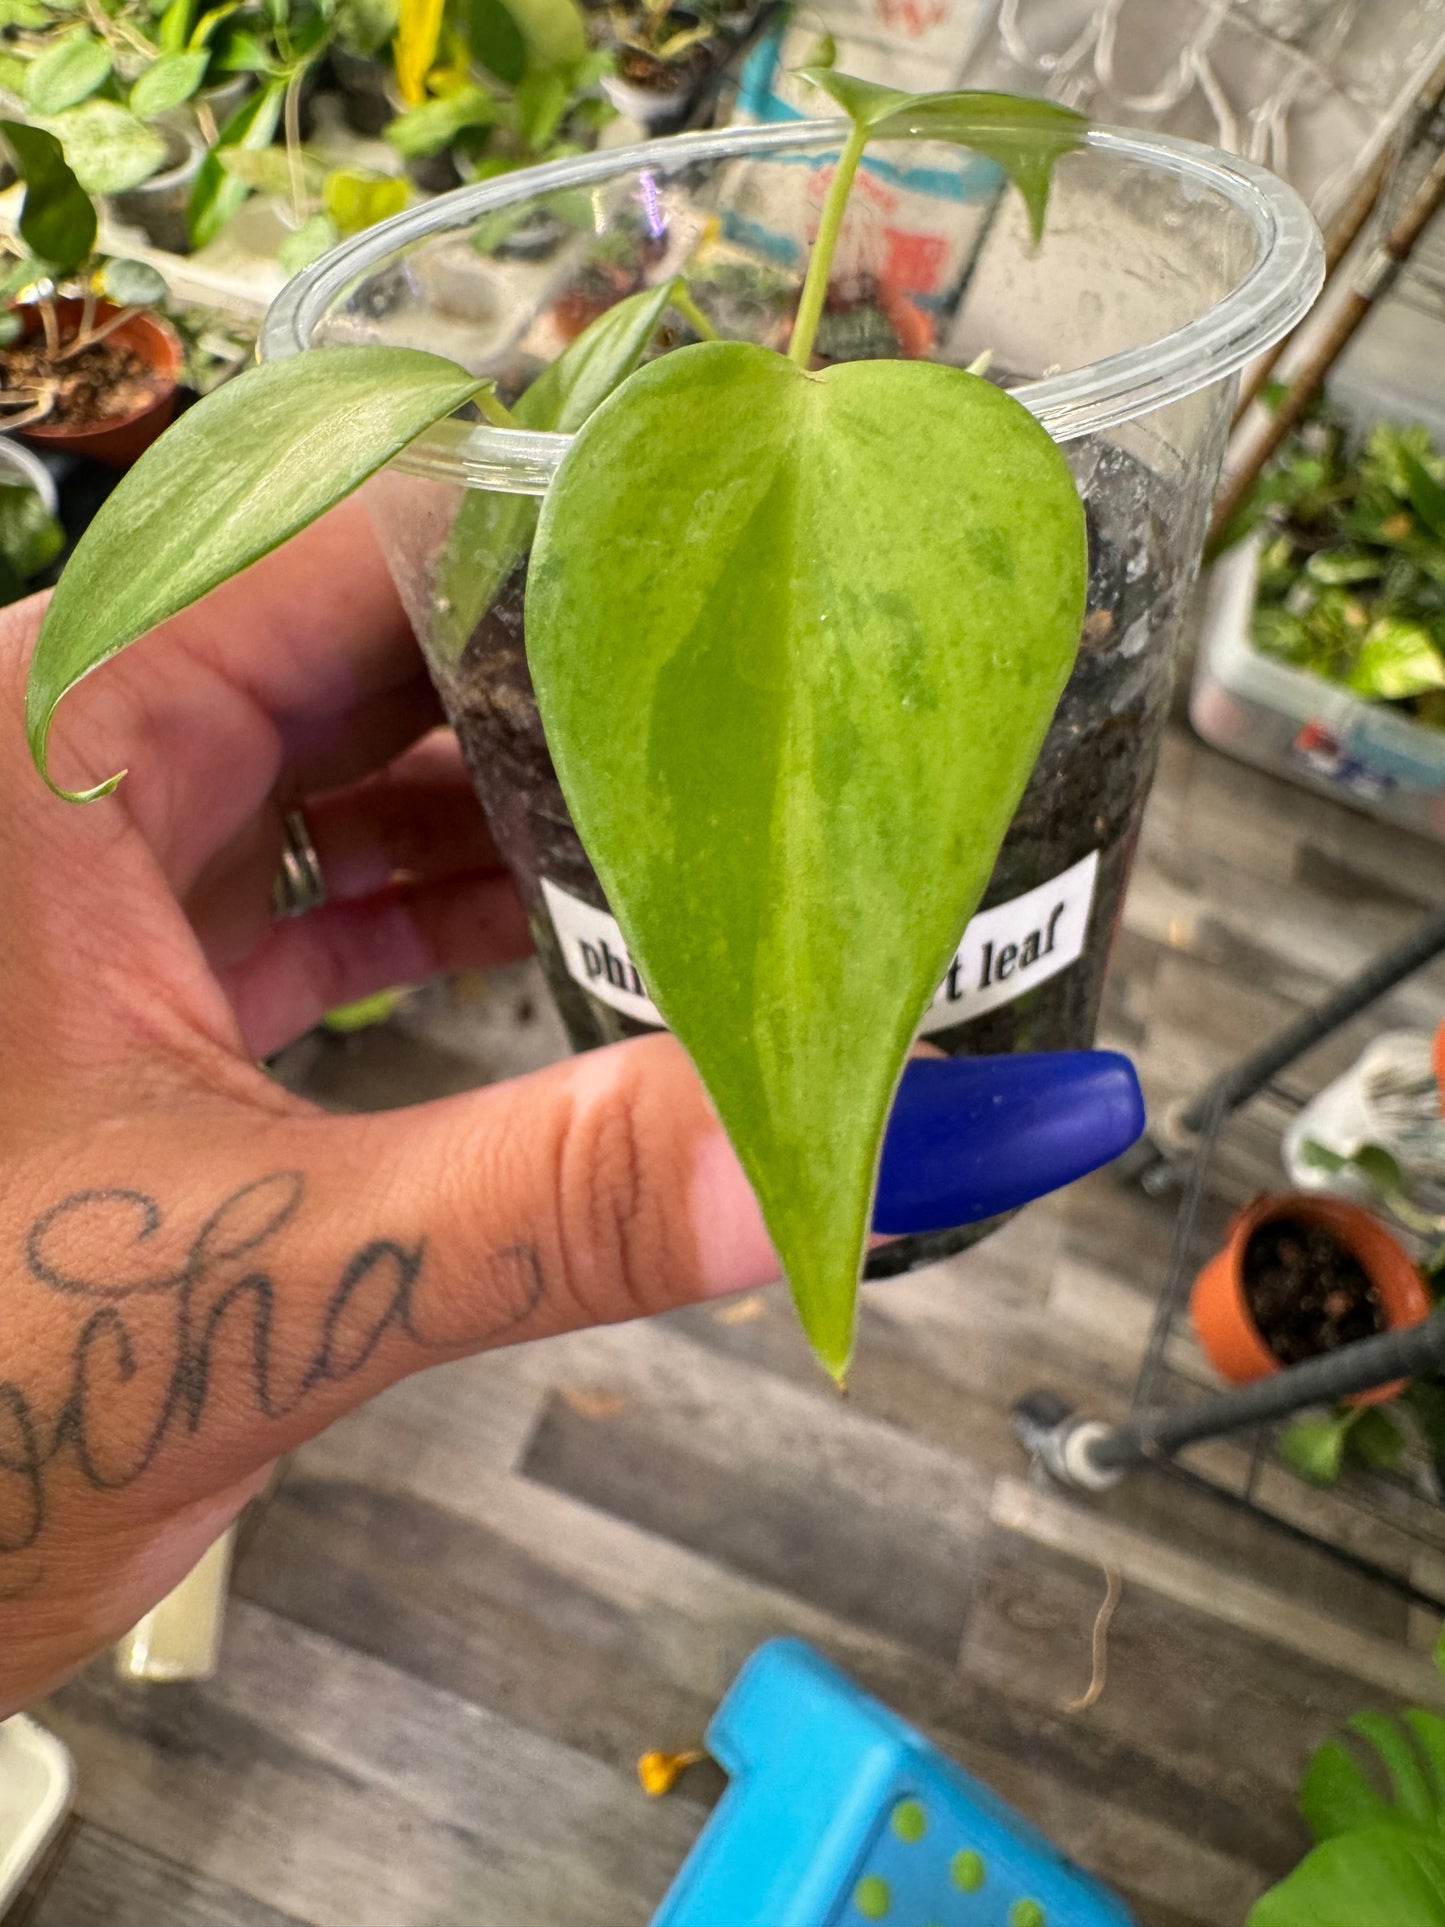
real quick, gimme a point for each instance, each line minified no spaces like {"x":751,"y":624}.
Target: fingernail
{"x":973,"y":1136}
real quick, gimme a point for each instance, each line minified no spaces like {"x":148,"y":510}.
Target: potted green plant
{"x":666,"y":54}
{"x":839,"y":611}
{"x":1379,"y":1857}
{"x":93,"y":370}
{"x":134,"y":99}
{"x":1323,"y":652}
{"x":30,"y":535}
{"x":485,"y":87}
{"x":1302,"y":1274}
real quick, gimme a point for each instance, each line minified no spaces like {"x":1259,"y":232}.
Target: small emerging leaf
{"x":258,"y":459}
{"x":1025,"y":137}
{"x":57,"y":220}
{"x":792,"y":775}
{"x":493,"y":531}
{"x":863,"y":101}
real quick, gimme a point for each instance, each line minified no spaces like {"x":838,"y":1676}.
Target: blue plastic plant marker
{"x":972,"y":1136}
{"x":839,"y":1814}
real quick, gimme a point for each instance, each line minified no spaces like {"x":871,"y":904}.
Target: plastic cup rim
{"x":1267,"y":302}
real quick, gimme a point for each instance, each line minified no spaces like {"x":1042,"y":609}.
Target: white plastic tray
{"x":37,"y":1784}
{"x":1301,"y":726}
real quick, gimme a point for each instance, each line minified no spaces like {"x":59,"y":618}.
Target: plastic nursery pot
{"x":1164,"y":267}
{"x":117,"y":439}
{"x":1219,"y":1305}
{"x":159,"y":206}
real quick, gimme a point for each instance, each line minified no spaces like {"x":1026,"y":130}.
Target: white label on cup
{"x":1005,"y":951}
{"x":1015,"y":946}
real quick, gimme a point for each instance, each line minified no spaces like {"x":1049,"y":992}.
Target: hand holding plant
{"x":793,"y":678}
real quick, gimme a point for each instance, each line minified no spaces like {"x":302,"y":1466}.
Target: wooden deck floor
{"x":465,"y":1611}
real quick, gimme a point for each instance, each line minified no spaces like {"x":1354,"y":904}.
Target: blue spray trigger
{"x":972,"y":1136}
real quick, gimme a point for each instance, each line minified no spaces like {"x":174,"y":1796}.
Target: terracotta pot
{"x":1220,"y":1312}
{"x":125,"y":438}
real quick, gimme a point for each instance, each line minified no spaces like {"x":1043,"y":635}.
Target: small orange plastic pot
{"x":1219,"y":1308}
{"x":122,"y":439}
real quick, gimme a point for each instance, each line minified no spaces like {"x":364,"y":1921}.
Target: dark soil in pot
{"x":102,"y":383}
{"x":1307,"y":1292}
{"x":1084,"y":800}
{"x":650,"y":75}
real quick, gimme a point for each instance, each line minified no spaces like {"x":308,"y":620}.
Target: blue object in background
{"x":973,"y":1136}
{"x":838,"y":1814}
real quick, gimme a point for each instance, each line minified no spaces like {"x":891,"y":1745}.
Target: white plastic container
{"x":37,"y":1785}
{"x":1300,"y":726}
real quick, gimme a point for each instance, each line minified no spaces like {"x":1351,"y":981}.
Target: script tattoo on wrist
{"x":234,"y":1333}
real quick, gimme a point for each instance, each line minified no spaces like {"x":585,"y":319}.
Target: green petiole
{"x":820,"y":267}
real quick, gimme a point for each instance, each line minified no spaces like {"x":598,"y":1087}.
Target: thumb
{"x":602,"y":1188}
{"x":237,"y":1289}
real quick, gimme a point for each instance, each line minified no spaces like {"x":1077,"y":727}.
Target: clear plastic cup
{"x":1164,"y":267}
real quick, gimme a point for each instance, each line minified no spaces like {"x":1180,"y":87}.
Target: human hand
{"x":200,"y":1270}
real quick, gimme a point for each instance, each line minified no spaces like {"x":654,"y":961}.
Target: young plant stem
{"x":496,"y":412}
{"x":820,"y":267}
{"x":51,"y":325}
{"x":35,"y":402}
{"x":292,"y":117}
{"x":83,"y":340}
{"x":693,"y":315}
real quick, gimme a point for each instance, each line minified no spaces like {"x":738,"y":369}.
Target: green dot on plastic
{"x":966,"y":1868}
{"x":909,"y":1821}
{"x":872,"y":1897}
{"x":1026,"y":1913}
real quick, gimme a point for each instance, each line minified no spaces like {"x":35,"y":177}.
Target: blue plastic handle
{"x":973,"y":1136}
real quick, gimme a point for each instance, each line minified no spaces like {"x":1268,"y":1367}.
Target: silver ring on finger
{"x":299,"y":884}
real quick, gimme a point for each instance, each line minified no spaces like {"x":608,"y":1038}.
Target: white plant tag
{"x":1005,"y":951}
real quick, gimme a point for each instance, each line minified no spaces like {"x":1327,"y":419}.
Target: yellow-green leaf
{"x":796,"y":640}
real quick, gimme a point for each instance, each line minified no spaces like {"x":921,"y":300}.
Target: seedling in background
{"x":56,"y":242}
{"x":796,"y":639}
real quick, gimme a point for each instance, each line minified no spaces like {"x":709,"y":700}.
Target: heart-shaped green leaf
{"x":259,"y":458}
{"x":796,"y":640}
{"x":132,"y":284}
{"x":107,"y":146}
{"x":57,"y":220}
{"x":1025,"y":137}
{"x":492,"y":531}
{"x":167,"y":82}
{"x":67,"y":72}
